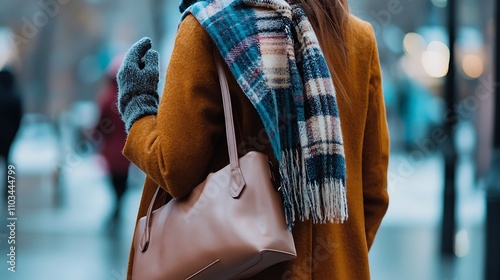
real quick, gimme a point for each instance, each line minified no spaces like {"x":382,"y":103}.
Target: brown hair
{"x":329,"y":19}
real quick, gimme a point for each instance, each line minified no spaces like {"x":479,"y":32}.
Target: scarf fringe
{"x":324,"y":201}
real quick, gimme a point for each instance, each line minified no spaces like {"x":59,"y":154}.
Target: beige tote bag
{"x":231,"y":226}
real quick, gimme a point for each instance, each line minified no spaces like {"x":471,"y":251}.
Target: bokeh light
{"x":435,"y":59}
{"x":414,"y":44}
{"x":440,"y":3}
{"x":473,"y":66}
{"x":5,"y":47}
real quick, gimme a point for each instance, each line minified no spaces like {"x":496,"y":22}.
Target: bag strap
{"x":237,"y":183}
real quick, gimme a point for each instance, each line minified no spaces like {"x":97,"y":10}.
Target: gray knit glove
{"x":138,"y":83}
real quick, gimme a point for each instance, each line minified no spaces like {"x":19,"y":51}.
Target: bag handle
{"x":237,"y":183}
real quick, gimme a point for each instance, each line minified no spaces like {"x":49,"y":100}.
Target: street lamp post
{"x":493,"y":180}
{"x":449,"y":149}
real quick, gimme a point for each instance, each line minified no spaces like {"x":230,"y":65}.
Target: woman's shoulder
{"x":192,"y":38}
{"x":190,"y":27}
{"x":360,"y":36}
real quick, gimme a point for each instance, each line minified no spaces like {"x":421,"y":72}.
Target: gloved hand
{"x":138,"y":83}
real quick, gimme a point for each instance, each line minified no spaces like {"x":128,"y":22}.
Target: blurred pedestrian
{"x":112,"y":130}
{"x":10,"y":115}
{"x":307,"y":72}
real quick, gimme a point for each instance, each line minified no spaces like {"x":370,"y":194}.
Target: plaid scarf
{"x":274,"y":54}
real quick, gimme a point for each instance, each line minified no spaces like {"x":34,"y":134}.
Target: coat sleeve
{"x":175,"y":147}
{"x":375,"y":153}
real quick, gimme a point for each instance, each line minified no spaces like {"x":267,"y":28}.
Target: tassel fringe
{"x":323,"y":202}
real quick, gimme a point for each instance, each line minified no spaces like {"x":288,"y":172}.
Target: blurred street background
{"x":61,"y":54}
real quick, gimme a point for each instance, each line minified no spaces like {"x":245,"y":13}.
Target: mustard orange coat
{"x":186,"y":140}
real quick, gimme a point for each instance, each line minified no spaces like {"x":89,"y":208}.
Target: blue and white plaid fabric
{"x":273,"y":52}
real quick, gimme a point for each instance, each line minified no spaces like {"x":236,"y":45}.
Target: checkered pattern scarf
{"x":274,"y":54}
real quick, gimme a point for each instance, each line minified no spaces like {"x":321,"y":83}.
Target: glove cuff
{"x":139,"y":106}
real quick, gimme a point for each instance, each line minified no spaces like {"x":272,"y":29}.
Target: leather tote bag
{"x":231,"y":226}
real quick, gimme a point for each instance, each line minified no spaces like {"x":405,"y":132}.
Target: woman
{"x":10,"y":117}
{"x":113,"y":133}
{"x":286,"y":101}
